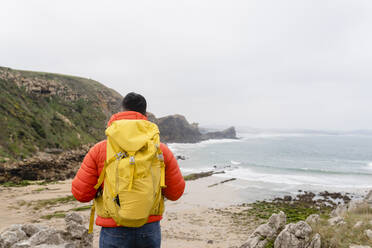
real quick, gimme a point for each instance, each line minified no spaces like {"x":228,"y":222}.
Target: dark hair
{"x":134,"y":102}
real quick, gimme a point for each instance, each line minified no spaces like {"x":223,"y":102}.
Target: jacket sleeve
{"x":86,"y":177}
{"x":173,"y":176}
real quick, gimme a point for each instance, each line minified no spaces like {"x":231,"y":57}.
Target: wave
{"x":235,"y":162}
{"x":295,"y":180}
{"x":175,"y":147}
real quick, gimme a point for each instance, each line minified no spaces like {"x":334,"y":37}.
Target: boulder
{"x":336,"y":221}
{"x":48,"y":237}
{"x":313,"y":219}
{"x":266,"y":232}
{"x":368,"y":198}
{"x":358,"y":224}
{"x":31,"y":229}
{"x":73,"y":217}
{"x":368,"y":233}
{"x":340,"y":210}
{"x":315,"y":242}
{"x":354,"y":204}
{"x":10,"y":237}
{"x":294,"y":236}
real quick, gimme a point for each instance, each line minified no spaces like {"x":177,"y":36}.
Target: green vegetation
{"x":57,"y":214}
{"x":25,"y":183}
{"x":342,"y":236}
{"x":83,"y":208}
{"x":295,"y":212}
{"x":41,"y":204}
{"x":32,"y":121}
{"x":62,"y":214}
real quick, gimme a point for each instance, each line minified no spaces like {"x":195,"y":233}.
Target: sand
{"x":201,"y":218}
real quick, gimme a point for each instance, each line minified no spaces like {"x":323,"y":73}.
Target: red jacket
{"x":87,"y":176}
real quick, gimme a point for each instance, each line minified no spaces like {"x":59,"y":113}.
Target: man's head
{"x":134,"y":102}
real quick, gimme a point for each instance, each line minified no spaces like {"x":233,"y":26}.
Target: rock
{"x":228,"y":133}
{"x":368,"y":198}
{"x":315,"y":242}
{"x":48,"y":237}
{"x":358,"y":224}
{"x":277,"y":221}
{"x":74,"y":217}
{"x":76,"y":230}
{"x":313,"y":219}
{"x":354,"y":204}
{"x":359,"y":246}
{"x":12,"y":236}
{"x":22,"y":244}
{"x":180,"y":157}
{"x":368,"y":233}
{"x":266,"y":232}
{"x":30,"y":229}
{"x":294,"y":236}
{"x":340,"y":210}
{"x":336,"y":221}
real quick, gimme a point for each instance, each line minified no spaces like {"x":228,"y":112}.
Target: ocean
{"x":269,"y":165}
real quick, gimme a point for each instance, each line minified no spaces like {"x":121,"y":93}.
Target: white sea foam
{"x":369,"y":165}
{"x":287,"y":179}
{"x":235,"y":162}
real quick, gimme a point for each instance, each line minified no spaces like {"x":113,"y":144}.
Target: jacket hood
{"x":126,"y":115}
{"x":131,"y":134}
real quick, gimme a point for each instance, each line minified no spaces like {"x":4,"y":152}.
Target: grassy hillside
{"x":34,"y":116}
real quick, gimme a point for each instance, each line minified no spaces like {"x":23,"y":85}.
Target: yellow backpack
{"x":133,"y":174}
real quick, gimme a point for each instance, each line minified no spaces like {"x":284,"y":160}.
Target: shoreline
{"x":209,"y":214}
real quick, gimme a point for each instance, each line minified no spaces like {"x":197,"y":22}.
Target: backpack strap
{"x":132,"y":163}
{"x":91,"y":219}
{"x":99,"y":183}
{"x":119,"y":155}
{"x":162,"y":167}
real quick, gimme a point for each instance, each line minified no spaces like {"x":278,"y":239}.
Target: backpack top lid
{"x":131,"y":135}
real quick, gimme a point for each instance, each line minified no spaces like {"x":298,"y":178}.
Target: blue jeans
{"x":146,"y":236}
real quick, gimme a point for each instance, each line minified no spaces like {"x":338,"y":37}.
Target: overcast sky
{"x":259,"y":63}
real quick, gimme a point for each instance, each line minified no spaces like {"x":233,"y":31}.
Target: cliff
{"x":176,"y":129}
{"x":43,"y":110}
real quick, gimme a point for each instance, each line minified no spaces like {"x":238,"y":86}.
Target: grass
{"x":30,"y":122}
{"x":294,"y":211}
{"x":57,"y":214}
{"x":83,"y":208}
{"x":62,"y":214}
{"x":22,"y":183}
{"x":40,"y":204}
{"x":25,"y":183}
{"x":343,"y":236}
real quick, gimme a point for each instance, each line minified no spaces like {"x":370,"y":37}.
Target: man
{"x":112,"y":235}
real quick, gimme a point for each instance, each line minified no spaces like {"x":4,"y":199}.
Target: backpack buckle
{"x":120,"y":155}
{"x":131,"y":160}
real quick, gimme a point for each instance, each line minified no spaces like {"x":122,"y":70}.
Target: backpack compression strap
{"x":99,"y":183}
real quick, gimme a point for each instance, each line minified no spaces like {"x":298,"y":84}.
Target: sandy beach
{"x":201,"y":218}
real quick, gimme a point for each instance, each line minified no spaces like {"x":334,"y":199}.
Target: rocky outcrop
{"x":176,"y":129}
{"x":48,"y":167}
{"x":228,"y":133}
{"x":294,"y":235}
{"x":48,"y":84}
{"x":266,"y":232}
{"x":34,"y":235}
